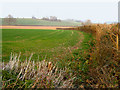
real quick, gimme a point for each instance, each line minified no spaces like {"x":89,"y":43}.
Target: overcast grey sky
{"x":95,"y":11}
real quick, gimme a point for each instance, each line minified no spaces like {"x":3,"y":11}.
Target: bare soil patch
{"x":31,"y":27}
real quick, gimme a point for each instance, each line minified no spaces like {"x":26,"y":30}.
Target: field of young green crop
{"x":45,"y":44}
{"x":40,"y":42}
{"x":29,"y":21}
{"x":67,"y":50}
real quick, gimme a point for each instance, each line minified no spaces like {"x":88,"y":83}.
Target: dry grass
{"x":43,"y":74}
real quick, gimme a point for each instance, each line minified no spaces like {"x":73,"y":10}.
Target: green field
{"x":29,"y":21}
{"x":59,"y":46}
{"x":47,"y":43}
{"x":64,"y":48}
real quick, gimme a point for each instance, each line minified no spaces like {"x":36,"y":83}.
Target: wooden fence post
{"x":117,"y":42}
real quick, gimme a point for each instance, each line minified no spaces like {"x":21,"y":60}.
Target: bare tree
{"x":53,"y":18}
{"x":45,"y":18}
{"x":87,"y":22}
{"x":9,"y":20}
{"x":33,"y":17}
{"x":9,"y":16}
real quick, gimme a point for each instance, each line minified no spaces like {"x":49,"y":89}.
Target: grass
{"x":42,"y":74}
{"x":28,"y":21}
{"x":59,"y":48}
{"x":47,"y":43}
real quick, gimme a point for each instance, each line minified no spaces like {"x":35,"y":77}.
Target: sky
{"x":97,"y":11}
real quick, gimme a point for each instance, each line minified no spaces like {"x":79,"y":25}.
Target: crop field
{"x":32,"y":27}
{"x":28,"y":21}
{"x":43,"y":43}
{"x":66,"y":50}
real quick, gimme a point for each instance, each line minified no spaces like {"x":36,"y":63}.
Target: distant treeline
{"x":45,"y":21}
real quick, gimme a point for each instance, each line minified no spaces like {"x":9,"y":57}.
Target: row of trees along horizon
{"x":10,"y":19}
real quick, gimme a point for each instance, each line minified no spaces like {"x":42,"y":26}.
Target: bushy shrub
{"x":105,"y":57}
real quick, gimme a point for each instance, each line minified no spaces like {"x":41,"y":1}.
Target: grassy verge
{"x":104,"y":56}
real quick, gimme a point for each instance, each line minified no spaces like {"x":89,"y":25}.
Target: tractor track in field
{"x":23,"y":40}
{"x":68,"y":50}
